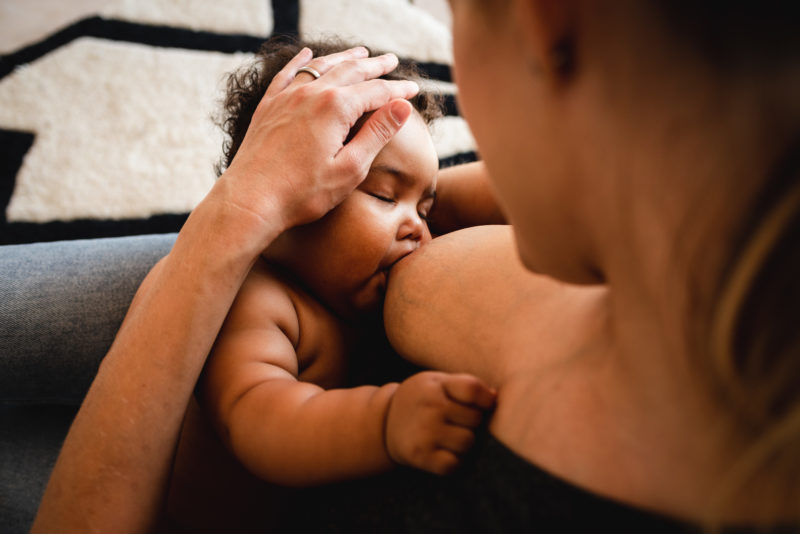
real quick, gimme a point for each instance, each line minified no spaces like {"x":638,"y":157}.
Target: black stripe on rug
{"x":15,"y":146}
{"x":451,"y":106}
{"x":458,"y":159}
{"x":19,"y":233}
{"x":171,"y":37}
{"x":286,"y":17}
{"x":120,"y":30}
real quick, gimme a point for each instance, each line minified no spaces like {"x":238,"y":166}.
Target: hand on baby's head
{"x":432,"y":419}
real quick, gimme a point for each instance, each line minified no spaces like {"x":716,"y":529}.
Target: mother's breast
{"x":465,"y":303}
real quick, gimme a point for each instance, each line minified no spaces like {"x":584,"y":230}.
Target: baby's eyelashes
{"x":424,"y":206}
{"x":384,"y":198}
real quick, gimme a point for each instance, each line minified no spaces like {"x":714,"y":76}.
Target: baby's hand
{"x":432,"y":419}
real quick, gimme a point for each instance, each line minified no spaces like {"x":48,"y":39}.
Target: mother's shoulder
{"x":465,"y":302}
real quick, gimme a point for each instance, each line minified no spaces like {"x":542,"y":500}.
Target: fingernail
{"x":400,"y":111}
{"x":306,"y":51}
{"x":361,"y":51}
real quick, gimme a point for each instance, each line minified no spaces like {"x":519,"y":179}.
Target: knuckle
{"x":350,"y":165}
{"x":332,"y":97}
{"x":360,"y":67}
{"x":474,"y":388}
{"x":320,"y":64}
{"x":384,"y":85}
{"x":434,"y":378}
{"x":434,"y":394}
{"x":381,"y":130}
{"x":299,"y":96}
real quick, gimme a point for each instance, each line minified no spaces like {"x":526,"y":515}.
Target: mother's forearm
{"x":120,"y":447}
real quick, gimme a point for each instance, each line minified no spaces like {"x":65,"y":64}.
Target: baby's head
{"x":343,"y":259}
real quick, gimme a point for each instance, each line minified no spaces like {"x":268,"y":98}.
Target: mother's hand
{"x":293,"y":163}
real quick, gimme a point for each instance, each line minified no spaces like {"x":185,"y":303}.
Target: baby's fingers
{"x":456,"y":439}
{"x":470,"y":390}
{"x":442,"y":462}
{"x":466,"y":416}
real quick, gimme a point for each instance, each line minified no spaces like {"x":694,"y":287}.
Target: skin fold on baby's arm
{"x":295,"y":433}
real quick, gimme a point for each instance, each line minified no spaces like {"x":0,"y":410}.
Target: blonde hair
{"x":754,"y":342}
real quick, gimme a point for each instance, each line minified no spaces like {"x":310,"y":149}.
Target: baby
{"x":274,"y":385}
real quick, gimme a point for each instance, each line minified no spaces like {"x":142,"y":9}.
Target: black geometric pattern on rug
{"x":15,"y":145}
{"x":23,"y":232}
{"x":286,"y":16}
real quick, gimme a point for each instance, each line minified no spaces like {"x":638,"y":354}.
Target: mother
{"x":654,"y":148}
{"x":647,"y":156}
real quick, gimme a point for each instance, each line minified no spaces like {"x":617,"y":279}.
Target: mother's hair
{"x":753,"y":331}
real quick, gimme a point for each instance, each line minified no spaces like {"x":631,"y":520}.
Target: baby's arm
{"x":295,"y":433}
{"x":464,"y":198}
{"x":281,"y":429}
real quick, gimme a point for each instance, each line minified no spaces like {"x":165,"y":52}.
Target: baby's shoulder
{"x":265,"y":298}
{"x":269,"y":295}
{"x":270,"y":298}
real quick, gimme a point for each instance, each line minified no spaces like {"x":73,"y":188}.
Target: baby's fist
{"x":432,"y":419}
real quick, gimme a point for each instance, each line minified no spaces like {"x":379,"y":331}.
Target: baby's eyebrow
{"x":405,"y":178}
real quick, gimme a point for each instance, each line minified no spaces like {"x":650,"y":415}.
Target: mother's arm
{"x":112,"y":471}
{"x":465,"y":303}
{"x":464,"y":198}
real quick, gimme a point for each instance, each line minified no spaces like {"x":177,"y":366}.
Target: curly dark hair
{"x":246,"y":87}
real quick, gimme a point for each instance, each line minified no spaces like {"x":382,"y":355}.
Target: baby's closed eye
{"x":383,"y":197}
{"x":425,"y":206}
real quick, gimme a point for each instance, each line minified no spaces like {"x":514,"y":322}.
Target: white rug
{"x":105,"y":125}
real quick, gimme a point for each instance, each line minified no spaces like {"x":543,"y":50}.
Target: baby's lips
{"x":398,"y":257}
{"x":396,"y":266}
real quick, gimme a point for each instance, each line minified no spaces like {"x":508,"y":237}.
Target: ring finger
{"x":289,"y":73}
{"x":320,"y":65}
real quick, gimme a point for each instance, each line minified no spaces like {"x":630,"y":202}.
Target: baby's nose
{"x":414,"y":227}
